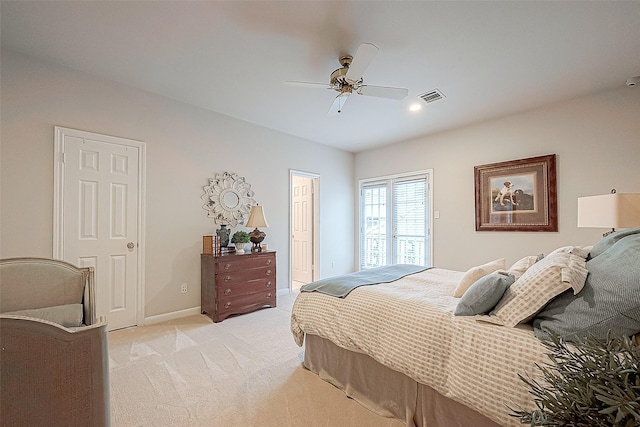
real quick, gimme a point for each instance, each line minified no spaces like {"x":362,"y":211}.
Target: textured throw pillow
{"x":581,"y":251}
{"x":476,"y":273}
{"x":610,"y":300}
{"x":68,"y":315}
{"x":542,"y":282}
{"x":484,"y":294}
{"x":522,"y":265}
{"x":611,"y":240}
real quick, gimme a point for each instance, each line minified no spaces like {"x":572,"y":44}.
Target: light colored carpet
{"x":245,"y":371}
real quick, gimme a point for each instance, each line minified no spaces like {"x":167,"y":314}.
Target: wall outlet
{"x":183,"y":288}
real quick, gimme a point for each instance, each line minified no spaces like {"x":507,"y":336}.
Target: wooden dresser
{"x":234,"y":284}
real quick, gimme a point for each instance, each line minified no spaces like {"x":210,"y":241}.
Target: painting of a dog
{"x":506,"y":192}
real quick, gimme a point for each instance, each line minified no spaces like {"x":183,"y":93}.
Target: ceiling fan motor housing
{"x":338,"y":78}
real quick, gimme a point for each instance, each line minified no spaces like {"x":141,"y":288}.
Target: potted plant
{"x":589,"y":383}
{"x":239,"y":238}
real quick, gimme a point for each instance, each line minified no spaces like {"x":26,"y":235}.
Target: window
{"x":394,"y":220}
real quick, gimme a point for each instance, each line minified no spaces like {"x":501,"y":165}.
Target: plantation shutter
{"x":410,"y":221}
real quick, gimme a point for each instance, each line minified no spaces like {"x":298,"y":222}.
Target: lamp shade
{"x":256,"y":217}
{"x":617,"y":210}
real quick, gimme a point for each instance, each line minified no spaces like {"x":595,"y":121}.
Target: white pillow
{"x":475,"y":273}
{"x":522,"y":265}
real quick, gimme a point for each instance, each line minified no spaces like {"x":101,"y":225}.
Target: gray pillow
{"x":609,"y":301}
{"x":68,"y":315}
{"x":609,"y":241}
{"x":484,"y":294}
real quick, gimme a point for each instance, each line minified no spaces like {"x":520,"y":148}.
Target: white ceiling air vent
{"x":431,"y":96}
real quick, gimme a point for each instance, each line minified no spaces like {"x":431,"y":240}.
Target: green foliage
{"x":240,"y":237}
{"x":592,"y":383}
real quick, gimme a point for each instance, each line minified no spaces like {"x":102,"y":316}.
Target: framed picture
{"x":517,"y":195}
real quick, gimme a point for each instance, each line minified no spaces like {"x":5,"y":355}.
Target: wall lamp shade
{"x":257,"y":219}
{"x":616,"y":210}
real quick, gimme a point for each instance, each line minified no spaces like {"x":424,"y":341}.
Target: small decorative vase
{"x":239,"y":248}
{"x":223,"y":233}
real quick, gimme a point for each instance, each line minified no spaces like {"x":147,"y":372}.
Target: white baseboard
{"x":188,"y":312}
{"x":281,"y":292}
{"x":173,"y":315}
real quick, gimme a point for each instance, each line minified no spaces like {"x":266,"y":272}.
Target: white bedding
{"x":409,"y":326}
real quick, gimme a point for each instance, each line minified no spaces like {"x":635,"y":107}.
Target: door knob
{"x":131,"y":245}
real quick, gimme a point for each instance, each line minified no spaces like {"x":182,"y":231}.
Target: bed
{"x":411,"y":350}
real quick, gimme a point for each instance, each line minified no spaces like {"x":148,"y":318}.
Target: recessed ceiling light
{"x":415,"y":107}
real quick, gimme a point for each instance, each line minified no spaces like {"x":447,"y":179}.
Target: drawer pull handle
{"x":269,"y":262}
{"x":227,"y":278}
{"x":227,"y":291}
{"x":268,"y":273}
{"x":227,"y":304}
{"x":268,"y":283}
{"x":269,"y":295}
{"x":227,"y":267}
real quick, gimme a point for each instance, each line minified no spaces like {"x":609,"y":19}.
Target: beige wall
{"x":596,"y":139}
{"x":185,"y":147}
{"x":597,"y":143}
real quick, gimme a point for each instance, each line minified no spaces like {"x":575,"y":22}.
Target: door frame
{"x":316,"y":223}
{"x":58,"y":201}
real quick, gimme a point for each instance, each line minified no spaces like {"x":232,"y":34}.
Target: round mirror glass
{"x":230,"y":199}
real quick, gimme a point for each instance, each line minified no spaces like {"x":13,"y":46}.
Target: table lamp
{"x":615,"y":210}
{"x":256,"y":219}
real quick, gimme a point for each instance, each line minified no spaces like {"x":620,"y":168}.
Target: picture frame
{"x":517,"y":195}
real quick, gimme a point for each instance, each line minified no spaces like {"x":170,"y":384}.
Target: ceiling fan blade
{"x":383,"y":91}
{"x":361,"y":60}
{"x":308,"y":84}
{"x":338,"y":104}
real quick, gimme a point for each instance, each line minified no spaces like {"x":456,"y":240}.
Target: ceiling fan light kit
{"x":349,"y":79}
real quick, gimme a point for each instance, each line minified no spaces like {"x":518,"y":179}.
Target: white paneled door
{"x":303,"y":228}
{"x":98,"y":206}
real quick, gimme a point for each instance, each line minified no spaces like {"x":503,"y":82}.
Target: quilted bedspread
{"x":409,"y":326}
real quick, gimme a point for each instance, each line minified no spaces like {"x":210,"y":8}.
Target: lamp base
{"x":256,"y":237}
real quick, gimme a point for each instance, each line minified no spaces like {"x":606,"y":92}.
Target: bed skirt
{"x":384,"y":391}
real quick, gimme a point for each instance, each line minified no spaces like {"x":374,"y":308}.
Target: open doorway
{"x":304,"y":228}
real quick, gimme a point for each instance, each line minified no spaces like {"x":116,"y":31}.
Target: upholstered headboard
{"x":28,"y":283}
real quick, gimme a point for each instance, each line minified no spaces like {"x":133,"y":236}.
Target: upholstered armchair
{"x":53,"y":349}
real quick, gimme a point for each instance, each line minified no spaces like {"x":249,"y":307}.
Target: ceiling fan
{"x":348,"y":79}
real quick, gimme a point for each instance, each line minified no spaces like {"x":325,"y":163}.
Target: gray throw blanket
{"x":340,"y":286}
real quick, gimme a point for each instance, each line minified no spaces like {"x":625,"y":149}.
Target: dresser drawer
{"x":233,"y":290}
{"x":230,"y":277}
{"x":238,"y":263}
{"x":246,"y":303}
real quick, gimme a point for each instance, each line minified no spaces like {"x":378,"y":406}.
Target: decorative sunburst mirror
{"x":228,"y":199}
